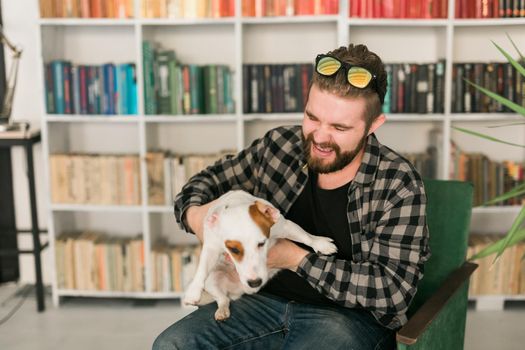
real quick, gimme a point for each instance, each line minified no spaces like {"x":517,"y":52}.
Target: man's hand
{"x":285,"y":254}
{"x":195,"y":218}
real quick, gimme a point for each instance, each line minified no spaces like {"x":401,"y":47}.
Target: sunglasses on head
{"x":358,"y":77}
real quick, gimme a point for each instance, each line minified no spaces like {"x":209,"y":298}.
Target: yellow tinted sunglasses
{"x":356,"y":76}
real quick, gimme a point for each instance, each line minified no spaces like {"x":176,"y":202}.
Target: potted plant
{"x":516,"y":232}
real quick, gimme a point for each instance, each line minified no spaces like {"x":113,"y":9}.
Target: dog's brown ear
{"x":268,"y":211}
{"x":264,"y":216}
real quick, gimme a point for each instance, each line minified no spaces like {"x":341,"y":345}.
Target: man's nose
{"x":321,"y":136}
{"x":255,"y":282}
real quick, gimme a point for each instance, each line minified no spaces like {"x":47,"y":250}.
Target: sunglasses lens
{"x":359,"y":77}
{"x":328,"y":66}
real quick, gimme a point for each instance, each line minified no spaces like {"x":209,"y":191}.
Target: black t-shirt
{"x":322,"y":213}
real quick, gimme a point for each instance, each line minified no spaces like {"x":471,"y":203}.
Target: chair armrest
{"x":417,"y":324}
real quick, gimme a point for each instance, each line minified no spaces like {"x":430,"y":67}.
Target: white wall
{"x":21,"y":27}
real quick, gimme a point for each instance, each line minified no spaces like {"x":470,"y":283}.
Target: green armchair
{"x":437,"y":315}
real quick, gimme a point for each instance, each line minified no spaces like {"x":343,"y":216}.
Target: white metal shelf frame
{"x":343,"y":36}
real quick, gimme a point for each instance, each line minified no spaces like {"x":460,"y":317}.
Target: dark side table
{"x":28,"y":140}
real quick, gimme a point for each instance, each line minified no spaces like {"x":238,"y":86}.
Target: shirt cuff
{"x":183,"y":221}
{"x":310,"y":267}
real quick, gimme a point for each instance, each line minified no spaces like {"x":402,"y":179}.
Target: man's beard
{"x":342,"y":159}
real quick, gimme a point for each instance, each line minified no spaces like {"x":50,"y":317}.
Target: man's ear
{"x":377,"y":123}
{"x":267,"y":210}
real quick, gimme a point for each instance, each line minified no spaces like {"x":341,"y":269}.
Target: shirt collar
{"x":370,"y":162}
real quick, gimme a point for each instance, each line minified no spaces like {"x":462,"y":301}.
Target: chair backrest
{"x":449,"y":206}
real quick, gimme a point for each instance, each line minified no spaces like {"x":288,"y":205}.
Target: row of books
{"x":268,"y":8}
{"x":489,"y":8}
{"x":80,"y":89}
{"x":500,"y":78}
{"x":415,"y":88}
{"x":275,"y":88}
{"x":262,"y":8}
{"x":94,"y":261}
{"x":167,"y":173}
{"x":171,"y":87}
{"x":428,"y":163}
{"x":173,"y":267}
{"x":490,"y":178}
{"x":175,"y":89}
{"x":399,"y":8}
{"x":87,"y":8}
{"x":506,"y":277}
{"x":95,"y":179}
{"x":188,"y":8}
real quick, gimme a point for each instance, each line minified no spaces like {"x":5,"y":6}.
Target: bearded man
{"x":332,"y":177}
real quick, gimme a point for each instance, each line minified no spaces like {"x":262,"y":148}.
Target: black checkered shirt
{"x":386,"y":216}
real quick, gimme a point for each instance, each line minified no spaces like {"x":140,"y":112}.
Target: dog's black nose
{"x":255,"y":283}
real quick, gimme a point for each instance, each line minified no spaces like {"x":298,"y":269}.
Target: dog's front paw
{"x":324,"y":245}
{"x":192,"y":296}
{"x":222,"y":313}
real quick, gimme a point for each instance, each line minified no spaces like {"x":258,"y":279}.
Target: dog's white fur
{"x":232,"y":220}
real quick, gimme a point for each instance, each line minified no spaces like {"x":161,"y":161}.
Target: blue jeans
{"x":267,"y":322}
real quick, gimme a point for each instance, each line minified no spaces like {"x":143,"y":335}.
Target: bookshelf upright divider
{"x":239,"y":128}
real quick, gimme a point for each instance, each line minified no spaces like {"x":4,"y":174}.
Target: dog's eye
{"x":260,"y":245}
{"x":235,"y":250}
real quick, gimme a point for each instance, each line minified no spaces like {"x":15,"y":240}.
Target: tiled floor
{"x":122,"y":324}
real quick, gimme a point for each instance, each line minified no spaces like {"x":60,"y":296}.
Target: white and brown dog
{"x":244,"y":227}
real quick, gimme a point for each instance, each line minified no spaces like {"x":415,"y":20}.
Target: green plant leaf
{"x":512,"y":61}
{"x":487,"y":137}
{"x":515,"y":228}
{"x":516,"y":191}
{"x":504,"y":101}
{"x":515,"y":47}
{"x":497,"y":246}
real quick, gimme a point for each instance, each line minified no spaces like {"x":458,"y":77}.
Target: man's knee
{"x":178,"y":335}
{"x":163,"y":342}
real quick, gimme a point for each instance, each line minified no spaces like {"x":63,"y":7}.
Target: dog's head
{"x":245,"y":232}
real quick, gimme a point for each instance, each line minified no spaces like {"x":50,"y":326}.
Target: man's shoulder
{"x":290,"y":133}
{"x":397,"y":170}
{"x":287,"y":138}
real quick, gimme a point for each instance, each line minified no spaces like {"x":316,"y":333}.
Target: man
{"x":333,"y":178}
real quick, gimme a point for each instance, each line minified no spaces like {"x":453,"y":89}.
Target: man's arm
{"x":387,"y":281}
{"x":230,"y":173}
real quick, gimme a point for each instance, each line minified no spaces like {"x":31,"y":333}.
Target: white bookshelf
{"x":236,"y":41}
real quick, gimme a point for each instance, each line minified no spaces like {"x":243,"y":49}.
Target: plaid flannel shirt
{"x":386,"y":216}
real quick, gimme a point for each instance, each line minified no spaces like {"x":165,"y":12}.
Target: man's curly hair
{"x":374,"y":93}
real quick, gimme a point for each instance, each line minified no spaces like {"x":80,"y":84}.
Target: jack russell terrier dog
{"x":244,"y":227}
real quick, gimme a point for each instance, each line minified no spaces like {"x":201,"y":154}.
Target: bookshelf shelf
{"x":96,"y":208}
{"x":53,"y":118}
{"x":488,"y":22}
{"x":116,"y":294}
{"x":192,"y":118}
{"x":86,"y":22}
{"x":508,"y":209}
{"x":421,"y":118}
{"x":290,"y":19}
{"x":481,"y":117}
{"x":298,"y":117}
{"x":160,"y":209}
{"x":273,"y":116}
{"x":185,"y":21}
{"x":235,"y":41}
{"x":398,"y":22}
